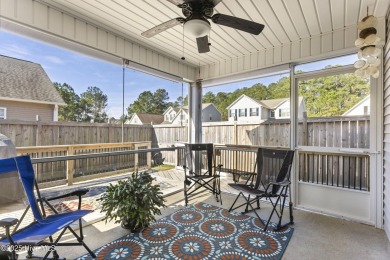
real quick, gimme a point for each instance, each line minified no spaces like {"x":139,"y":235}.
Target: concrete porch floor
{"x":315,"y":236}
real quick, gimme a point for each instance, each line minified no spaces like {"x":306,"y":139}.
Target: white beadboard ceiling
{"x":285,"y":21}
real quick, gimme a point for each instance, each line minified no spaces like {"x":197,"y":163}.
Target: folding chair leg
{"x":290,"y":205}
{"x":278,"y":200}
{"x":231,"y":207}
{"x":185,"y":193}
{"x":80,"y":239}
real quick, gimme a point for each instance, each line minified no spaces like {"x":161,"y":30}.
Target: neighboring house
{"x":170,"y":114}
{"x":145,"y":119}
{"x":209,"y":114}
{"x":247,"y":109}
{"x":26,"y":92}
{"x":361,"y":108}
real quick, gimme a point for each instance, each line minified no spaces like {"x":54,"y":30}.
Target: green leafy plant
{"x":134,"y":201}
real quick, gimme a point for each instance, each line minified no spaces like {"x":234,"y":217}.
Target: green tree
{"x":72,"y":110}
{"x":332,"y":95}
{"x":148,"y":102}
{"x":93,"y":103}
{"x":279,"y":89}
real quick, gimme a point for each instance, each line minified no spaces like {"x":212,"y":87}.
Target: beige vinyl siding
{"x":386,"y":134}
{"x":28,"y":111}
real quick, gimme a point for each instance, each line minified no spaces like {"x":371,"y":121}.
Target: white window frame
{"x":254,"y":111}
{"x":240,"y":114}
{"x":5,"y":112}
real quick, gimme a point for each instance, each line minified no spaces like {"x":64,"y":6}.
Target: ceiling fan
{"x":196,"y":13}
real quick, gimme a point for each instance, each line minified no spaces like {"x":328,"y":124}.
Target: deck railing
{"x":56,"y":165}
{"x":339,"y":169}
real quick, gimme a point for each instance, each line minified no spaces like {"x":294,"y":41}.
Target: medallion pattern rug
{"x":200,"y":231}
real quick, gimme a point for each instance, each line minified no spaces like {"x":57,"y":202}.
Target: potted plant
{"x":134,"y":202}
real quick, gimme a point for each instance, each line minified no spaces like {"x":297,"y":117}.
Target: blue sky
{"x":81,"y":71}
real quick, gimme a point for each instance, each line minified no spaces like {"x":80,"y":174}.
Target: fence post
{"x":38,"y":141}
{"x":136,"y":146}
{"x":149,"y":156}
{"x":235,"y":152}
{"x":304,"y":129}
{"x":70,"y":166}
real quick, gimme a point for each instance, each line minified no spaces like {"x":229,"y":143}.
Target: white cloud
{"x":15,"y":51}
{"x":54,"y":59}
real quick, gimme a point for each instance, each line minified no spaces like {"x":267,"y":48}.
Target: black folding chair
{"x":195,"y":176}
{"x":40,"y":231}
{"x":270,"y":163}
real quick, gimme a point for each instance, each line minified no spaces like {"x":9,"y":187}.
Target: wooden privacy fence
{"x":336,"y":132}
{"x":342,"y":132}
{"x":64,"y":172}
{"x":26,"y":133}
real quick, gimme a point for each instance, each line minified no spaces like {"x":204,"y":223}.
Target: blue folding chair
{"x":40,"y":232}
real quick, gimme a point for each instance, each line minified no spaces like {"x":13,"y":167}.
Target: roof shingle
{"x":20,"y":79}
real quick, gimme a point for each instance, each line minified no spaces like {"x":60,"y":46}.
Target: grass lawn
{"x":163,"y":167}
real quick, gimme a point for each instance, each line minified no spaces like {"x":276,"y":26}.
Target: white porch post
{"x":195,"y":120}
{"x":195,"y":112}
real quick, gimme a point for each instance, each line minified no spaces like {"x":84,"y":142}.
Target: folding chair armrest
{"x":282,"y":183}
{"x":219,"y":166}
{"x":78,"y":193}
{"x":8,"y":222}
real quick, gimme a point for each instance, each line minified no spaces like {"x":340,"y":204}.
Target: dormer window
{"x":272,"y":113}
{"x":3,"y":113}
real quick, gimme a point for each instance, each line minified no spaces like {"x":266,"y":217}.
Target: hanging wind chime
{"x":369,"y":53}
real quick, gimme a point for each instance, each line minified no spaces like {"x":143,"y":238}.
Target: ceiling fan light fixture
{"x":197,"y":27}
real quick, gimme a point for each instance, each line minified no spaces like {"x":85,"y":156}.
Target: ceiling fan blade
{"x":177,"y":2}
{"x":215,"y":2}
{"x":162,"y":27}
{"x":203,"y":44}
{"x":238,"y":23}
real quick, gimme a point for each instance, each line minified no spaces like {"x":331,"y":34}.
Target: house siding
{"x":386,"y":134}
{"x":28,"y":111}
{"x":212,"y":112}
{"x":135,"y":120}
{"x":245,"y":103}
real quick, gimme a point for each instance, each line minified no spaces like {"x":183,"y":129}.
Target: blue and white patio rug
{"x":200,"y":231}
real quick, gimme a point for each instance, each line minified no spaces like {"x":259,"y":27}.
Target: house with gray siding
{"x":247,"y":109}
{"x":177,"y":116}
{"x":26,"y":92}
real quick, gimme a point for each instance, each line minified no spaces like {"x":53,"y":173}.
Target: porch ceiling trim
{"x":338,"y":42}
{"x":42,"y":18}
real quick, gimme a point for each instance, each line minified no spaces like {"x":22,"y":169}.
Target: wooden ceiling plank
{"x":298,"y":19}
{"x":284,"y":18}
{"x":324,"y":15}
{"x":337,"y":8}
{"x":274,"y":30}
{"x":352,"y":9}
{"x":311,"y":18}
{"x":381,"y":8}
